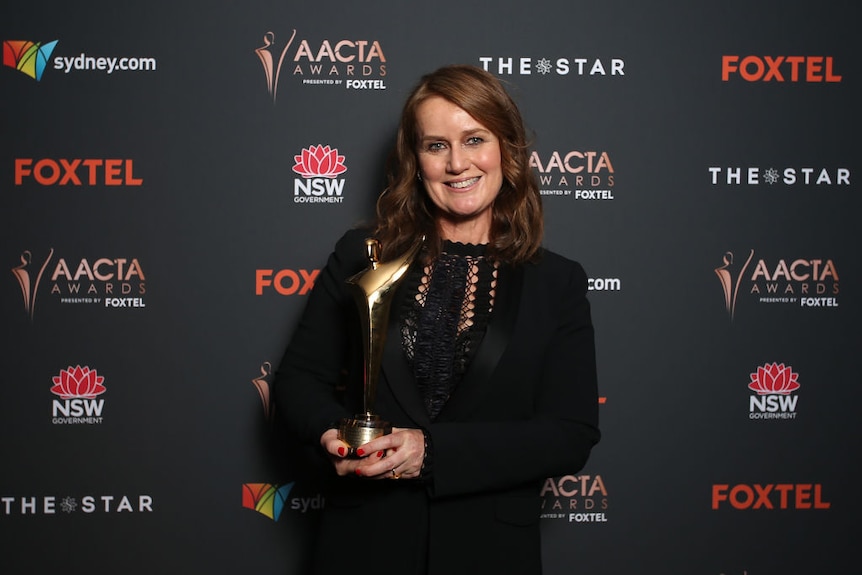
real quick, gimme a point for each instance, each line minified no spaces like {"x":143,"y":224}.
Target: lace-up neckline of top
{"x":444,"y":316}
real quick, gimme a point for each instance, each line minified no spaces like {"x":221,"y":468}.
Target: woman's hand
{"x":398,"y":455}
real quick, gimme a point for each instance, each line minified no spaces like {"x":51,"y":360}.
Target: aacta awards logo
{"x":773,"y":385}
{"x":106,"y":282}
{"x":262,"y":383}
{"x":801,"y":282}
{"x":29,"y":279}
{"x":319,"y":167}
{"x":352,"y":64}
{"x":583,"y":175}
{"x":31,"y":58}
{"x":575,"y":499}
{"x":78,"y":389}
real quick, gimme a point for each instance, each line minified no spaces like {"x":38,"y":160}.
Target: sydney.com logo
{"x":28,"y":57}
{"x":271,"y":500}
{"x":31,"y":58}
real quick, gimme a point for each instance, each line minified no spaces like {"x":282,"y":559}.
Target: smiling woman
{"x":460,"y":167}
{"x":405,"y":210}
{"x":488,"y":377}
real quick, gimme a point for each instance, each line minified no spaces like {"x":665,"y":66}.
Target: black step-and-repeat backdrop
{"x":173,"y":177}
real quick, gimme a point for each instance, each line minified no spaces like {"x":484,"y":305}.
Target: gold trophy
{"x":373,"y":289}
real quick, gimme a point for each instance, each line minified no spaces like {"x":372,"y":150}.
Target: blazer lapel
{"x":477,"y":381}
{"x":396,"y":369}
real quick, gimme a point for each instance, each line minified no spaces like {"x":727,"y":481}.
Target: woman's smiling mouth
{"x":463,"y":183}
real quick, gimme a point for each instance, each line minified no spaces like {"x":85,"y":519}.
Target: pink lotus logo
{"x":78,"y":383}
{"x":774,"y":378}
{"x":319,"y":162}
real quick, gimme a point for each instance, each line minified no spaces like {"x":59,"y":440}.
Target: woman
{"x":488,"y":375}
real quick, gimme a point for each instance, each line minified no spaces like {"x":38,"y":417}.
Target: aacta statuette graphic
{"x":373,"y":289}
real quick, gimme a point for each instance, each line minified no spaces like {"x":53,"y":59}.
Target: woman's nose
{"x":459,"y":160}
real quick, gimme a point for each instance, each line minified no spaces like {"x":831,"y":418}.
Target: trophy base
{"x":361,"y":429}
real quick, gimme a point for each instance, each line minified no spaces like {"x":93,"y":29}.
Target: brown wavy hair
{"x":404,"y":210}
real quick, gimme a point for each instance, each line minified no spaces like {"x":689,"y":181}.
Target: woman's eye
{"x":474,"y":140}
{"x":436,"y":146}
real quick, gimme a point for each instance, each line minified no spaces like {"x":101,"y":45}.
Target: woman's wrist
{"x":427,"y":457}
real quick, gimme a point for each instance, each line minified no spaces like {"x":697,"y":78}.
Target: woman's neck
{"x":466,"y":232}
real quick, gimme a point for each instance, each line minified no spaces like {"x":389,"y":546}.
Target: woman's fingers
{"x":394,"y":456}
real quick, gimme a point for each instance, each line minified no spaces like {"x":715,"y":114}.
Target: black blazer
{"x":526,"y":410}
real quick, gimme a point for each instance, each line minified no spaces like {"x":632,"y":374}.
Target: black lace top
{"x":444,"y":317}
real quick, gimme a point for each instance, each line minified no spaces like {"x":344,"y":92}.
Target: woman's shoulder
{"x":356,"y":234}
{"x":556,"y":275}
{"x":349,"y":254}
{"x":549,"y":261}
{"x":352,"y":241}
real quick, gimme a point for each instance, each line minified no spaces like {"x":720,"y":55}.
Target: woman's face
{"x":461,"y":169}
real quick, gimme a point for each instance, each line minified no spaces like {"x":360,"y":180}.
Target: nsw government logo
{"x":319,"y":167}
{"x":78,"y":402}
{"x":773,"y":385}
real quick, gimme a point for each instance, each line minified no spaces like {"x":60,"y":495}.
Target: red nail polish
{"x":360,"y":452}
{"x":340,"y":451}
{"x":358,"y":472}
{"x":379,"y":454}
